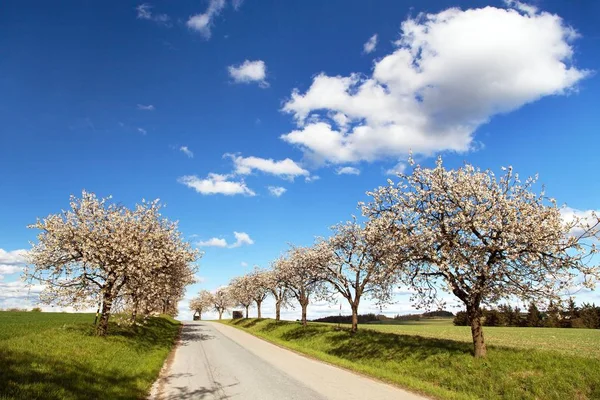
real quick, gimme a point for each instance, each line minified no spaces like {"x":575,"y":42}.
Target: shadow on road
{"x":183,"y":392}
{"x":194,"y":332}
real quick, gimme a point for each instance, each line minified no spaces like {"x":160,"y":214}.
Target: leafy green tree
{"x":534,"y":316}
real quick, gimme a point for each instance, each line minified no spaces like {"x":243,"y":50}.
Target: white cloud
{"x":9,"y":269}
{"x":583,"y":219}
{"x":203,"y":22}
{"x":213,"y":242}
{"x":244,"y":264}
{"x":144,"y":12}
{"x":312,"y":178}
{"x":396,"y":169}
{"x":237,"y":4}
{"x":249,"y":71}
{"x":142,"y":131}
{"x":277,"y":191}
{"x":185,"y":150}
{"x":348,"y":171}
{"x":148,"y":107}
{"x":14,"y":257}
{"x":216,"y":184}
{"x":370,"y":44}
{"x":241,"y":238}
{"x":450,"y":73}
{"x":286,"y":168}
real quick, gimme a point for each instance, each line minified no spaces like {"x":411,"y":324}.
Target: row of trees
{"x":463,"y":231}
{"x":555,"y":315}
{"x":106,"y":255}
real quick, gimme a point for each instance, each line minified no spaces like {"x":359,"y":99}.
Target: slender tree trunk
{"x":479,"y":348}
{"x":278,"y":310}
{"x":304,"y":306}
{"x":354,"y":307}
{"x":247,"y":311}
{"x":102,"y":328}
{"x":199,"y":315}
{"x":258,"y":303}
{"x":220,"y":314}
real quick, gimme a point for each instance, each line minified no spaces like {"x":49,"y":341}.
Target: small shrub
{"x":36,"y":309}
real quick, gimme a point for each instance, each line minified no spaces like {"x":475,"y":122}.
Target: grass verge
{"x":56,"y":356}
{"x":438,"y":367}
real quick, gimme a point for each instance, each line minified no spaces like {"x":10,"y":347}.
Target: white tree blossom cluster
{"x":462,"y":231}
{"x":104,"y":254}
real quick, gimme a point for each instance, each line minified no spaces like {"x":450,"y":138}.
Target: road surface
{"x":215,"y":361}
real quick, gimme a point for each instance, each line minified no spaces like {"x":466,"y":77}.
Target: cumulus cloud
{"x":216,"y":184}
{"x":144,"y":11}
{"x":396,"y":169}
{"x":203,"y":22}
{"x":276,"y":191}
{"x":143,"y":107}
{"x":249,"y":71}
{"x":370,"y":44}
{"x":241,"y":238}
{"x":14,"y":257}
{"x":580,"y":220}
{"x":348,"y":171}
{"x":213,"y":242}
{"x":185,"y":150}
{"x":286,"y":168}
{"x":450,"y":73}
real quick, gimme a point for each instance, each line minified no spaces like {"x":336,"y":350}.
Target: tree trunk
{"x":354,"y":317}
{"x":258,"y":303}
{"x":479,"y":349}
{"x":102,"y":327}
{"x":200,"y":315}
{"x":220,"y":314}
{"x":304,"y":307}
{"x":278,"y":311}
{"x":247,"y":311}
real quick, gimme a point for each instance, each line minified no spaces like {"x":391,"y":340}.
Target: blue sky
{"x":214,"y":106}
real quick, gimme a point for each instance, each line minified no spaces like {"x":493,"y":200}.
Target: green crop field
{"x":434,"y":357}
{"x":56,"y":356}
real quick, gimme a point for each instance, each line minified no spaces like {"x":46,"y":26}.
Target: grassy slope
{"x":56,"y":356}
{"x":439,"y":367}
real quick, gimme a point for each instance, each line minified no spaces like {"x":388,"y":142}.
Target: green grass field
{"x":577,"y":342}
{"x":435,"y":358}
{"x":56,"y":356}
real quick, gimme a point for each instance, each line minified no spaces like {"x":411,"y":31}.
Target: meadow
{"x":57,"y":356}
{"x":435,"y":358}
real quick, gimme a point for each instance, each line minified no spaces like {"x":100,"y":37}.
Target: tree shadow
{"x":390,"y":346}
{"x":182,"y":392}
{"x":271,"y":326}
{"x":24,"y":375}
{"x":302,"y":332}
{"x":192,"y":333}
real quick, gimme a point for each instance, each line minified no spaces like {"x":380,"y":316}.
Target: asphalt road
{"x":215,"y":361}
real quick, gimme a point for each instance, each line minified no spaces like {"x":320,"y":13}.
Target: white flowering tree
{"x":357,"y":267}
{"x":260,"y":287}
{"x":480,"y":238}
{"x":97,"y":252}
{"x":277,"y":287}
{"x":222,"y":301}
{"x":242,"y":293}
{"x":301,"y":273}
{"x":202,"y":303}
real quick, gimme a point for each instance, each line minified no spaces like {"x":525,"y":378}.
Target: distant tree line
{"x":555,"y":315}
{"x":370,"y":318}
